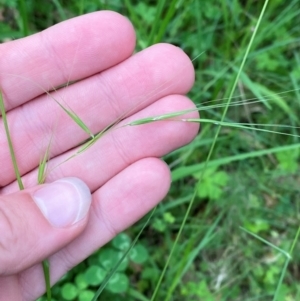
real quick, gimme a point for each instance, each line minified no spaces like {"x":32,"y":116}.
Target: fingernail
{"x":64,"y":202}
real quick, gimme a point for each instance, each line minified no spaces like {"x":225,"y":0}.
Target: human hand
{"x":122,"y":170}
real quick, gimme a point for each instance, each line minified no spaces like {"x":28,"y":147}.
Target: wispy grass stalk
{"x":112,"y":272}
{"x":24,"y":15}
{"x":45,"y":263}
{"x":210,"y":152}
{"x":287,"y":256}
{"x":10,"y":145}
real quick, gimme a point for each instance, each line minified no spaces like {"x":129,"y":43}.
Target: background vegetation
{"x":252,"y":179}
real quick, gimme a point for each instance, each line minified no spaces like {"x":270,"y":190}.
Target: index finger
{"x":69,"y":51}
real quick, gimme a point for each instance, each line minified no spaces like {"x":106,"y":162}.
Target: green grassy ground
{"x":252,"y":178}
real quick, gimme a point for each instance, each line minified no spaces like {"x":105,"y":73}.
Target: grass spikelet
{"x":42,"y":169}
{"x":76,"y":119}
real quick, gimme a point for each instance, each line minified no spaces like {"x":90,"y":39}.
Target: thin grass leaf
{"x":135,"y":19}
{"x":295,"y":241}
{"x":156,"y":22}
{"x":172,"y":7}
{"x":268,"y":97}
{"x":46,"y":271}
{"x":185,"y":264}
{"x":210,"y":152}
{"x":21,"y":186}
{"x":81,"y":7}
{"x":24,"y":15}
{"x":283,"y":252}
{"x":112,"y":272}
{"x":10,"y":145}
{"x":280,"y":281}
{"x":185,"y":171}
{"x":278,"y":101}
{"x":60,"y":10}
{"x":246,"y":126}
{"x":286,"y":263}
{"x":253,"y":87}
{"x":136,"y":295}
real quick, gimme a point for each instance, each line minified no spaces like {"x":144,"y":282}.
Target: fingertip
{"x":177,"y":61}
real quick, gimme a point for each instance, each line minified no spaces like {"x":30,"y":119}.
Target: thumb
{"x":37,"y":222}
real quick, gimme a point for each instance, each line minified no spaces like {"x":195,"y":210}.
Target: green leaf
{"x":81,"y":282}
{"x":288,"y":160}
{"x":257,"y":226}
{"x":94,"y":275}
{"x":139,"y":254}
{"x":169,"y":218}
{"x":118,"y":283}
{"x":159,"y":224}
{"x":69,"y":291}
{"x":146,"y":12}
{"x":108,"y":258}
{"x":212,"y":184}
{"x":121,"y":241}
{"x":150,"y":273}
{"x":86,"y":295}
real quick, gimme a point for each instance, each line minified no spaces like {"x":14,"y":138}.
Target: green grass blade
{"x":246,"y":126}
{"x":210,"y":151}
{"x":209,"y":235}
{"x":21,"y":186}
{"x":282,"y":275}
{"x":10,"y":145}
{"x":46,"y":271}
{"x":60,"y":10}
{"x":135,"y":19}
{"x":283,"y":252}
{"x":24,"y":15}
{"x":286,"y":263}
{"x":156,"y":23}
{"x":112,"y":272}
{"x":185,"y":171}
{"x":166,"y":21}
{"x":295,"y":241}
